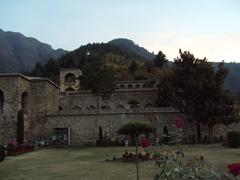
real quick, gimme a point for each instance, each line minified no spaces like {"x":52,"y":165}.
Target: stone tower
{"x":69,"y":79}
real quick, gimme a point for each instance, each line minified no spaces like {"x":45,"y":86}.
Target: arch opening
{"x":1,"y":102}
{"x":70,"y":78}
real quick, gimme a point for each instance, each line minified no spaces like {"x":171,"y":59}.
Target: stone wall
{"x":35,"y":97}
{"x":12,"y":88}
{"x":84,"y":127}
{"x":219,"y":133}
{"x":119,"y":100}
{"x":45,"y":100}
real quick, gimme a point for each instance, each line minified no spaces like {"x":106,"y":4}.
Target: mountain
{"x":232,"y":80}
{"x":19,"y":53}
{"x":132,"y":48}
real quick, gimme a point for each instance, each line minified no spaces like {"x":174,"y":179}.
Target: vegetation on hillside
{"x":126,"y":65}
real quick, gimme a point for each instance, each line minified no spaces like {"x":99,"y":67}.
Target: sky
{"x":206,"y":28}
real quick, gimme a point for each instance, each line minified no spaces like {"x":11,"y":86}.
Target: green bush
{"x":2,"y":153}
{"x":136,"y":128}
{"x":234,"y":139}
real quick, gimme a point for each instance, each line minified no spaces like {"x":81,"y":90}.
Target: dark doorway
{"x":20,"y":128}
{"x":61,"y":136}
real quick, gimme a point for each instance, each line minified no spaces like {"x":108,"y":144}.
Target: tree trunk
{"x":210,"y":128}
{"x":199,"y":132}
{"x":137,"y":166}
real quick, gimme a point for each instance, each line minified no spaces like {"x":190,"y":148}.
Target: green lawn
{"x":88,"y":163}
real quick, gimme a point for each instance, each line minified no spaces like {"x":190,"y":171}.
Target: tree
{"x":133,"y":67}
{"x":98,"y":77}
{"x":165,"y":91}
{"x":38,"y":70}
{"x":160,"y":60}
{"x":134,"y":129}
{"x":199,"y":92}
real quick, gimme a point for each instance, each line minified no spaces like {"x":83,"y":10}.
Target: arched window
{"x":1,"y":102}
{"x":144,"y":86}
{"x":69,"y":89}
{"x":25,"y":102}
{"x":137,"y":86}
{"x":120,"y":106}
{"x":105,"y":107}
{"x":148,"y":105}
{"x":91,"y":107}
{"x":130,"y":86}
{"x":121,"y":86}
{"x":77,"y":108}
{"x":70,"y":77}
{"x":60,"y":108}
{"x":134,"y":104}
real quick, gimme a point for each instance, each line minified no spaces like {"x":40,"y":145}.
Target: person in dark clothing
{"x":165,"y":135}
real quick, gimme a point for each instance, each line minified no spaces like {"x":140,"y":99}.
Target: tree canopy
{"x":199,"y":91}
{"x":136,"y":128}
{"x":160,"y":60}
{"x":98,"y":77}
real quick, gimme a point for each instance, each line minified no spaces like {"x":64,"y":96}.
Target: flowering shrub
{"x":15,"y":150}
{"x":179,"y":122}
{"x":131,"y":157}
{"x":234,"y":169}
{"x":172,"y":167}
{"x":12,"y":142}
{"x":145,"y":142}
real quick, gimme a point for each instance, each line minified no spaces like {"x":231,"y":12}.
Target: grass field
{"x":88,"y":163}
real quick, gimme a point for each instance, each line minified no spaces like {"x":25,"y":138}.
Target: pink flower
{"x":234,"y":169}
{"x":12,"y":142}
{"x":145,"y":142}
{"x":179,"y":122}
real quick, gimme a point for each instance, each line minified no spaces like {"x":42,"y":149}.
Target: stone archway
{"x":1,"y":102}
{"x":22,"y":117}
{"x":20,"y":127}
{"x":70,"y":78}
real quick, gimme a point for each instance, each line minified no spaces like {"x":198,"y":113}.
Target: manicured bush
{"x":234,"y":139}
{"x":136,"y":128}
{"x":2,"y":153}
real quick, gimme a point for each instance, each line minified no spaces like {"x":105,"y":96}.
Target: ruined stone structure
{"x":68,"y":116}
{"x":24,"y":103}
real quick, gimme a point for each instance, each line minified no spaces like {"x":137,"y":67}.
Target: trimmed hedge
{"x":234,"y":139}
{"x":2,"y":153}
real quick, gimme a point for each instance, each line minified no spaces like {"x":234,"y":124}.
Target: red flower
{"x":234,"y":169}
{"x":179,"y":122}
{"x":145,"y":142}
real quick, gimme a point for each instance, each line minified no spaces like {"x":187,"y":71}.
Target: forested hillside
{"x":19,"y":53}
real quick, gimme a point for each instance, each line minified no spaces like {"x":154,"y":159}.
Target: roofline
{"x":135,"y":81}
{"x":65,"y":69}
{"x":28,"y":78}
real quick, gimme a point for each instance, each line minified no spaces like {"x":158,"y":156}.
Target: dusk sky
{"x":207,"y":28}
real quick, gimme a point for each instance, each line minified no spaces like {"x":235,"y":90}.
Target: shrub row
{"x":2,"y":153}
{"x":234,"y":139}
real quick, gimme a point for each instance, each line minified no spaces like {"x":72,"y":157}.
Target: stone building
{"x":78,"y":119}
{"x":69,"y":116}
{"x":24,"y":103}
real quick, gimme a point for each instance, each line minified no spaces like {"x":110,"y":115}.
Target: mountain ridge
{"x":20,"y":53}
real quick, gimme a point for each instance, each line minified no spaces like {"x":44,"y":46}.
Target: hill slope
{"x":19,"y":53}
{"x":132,"y":48}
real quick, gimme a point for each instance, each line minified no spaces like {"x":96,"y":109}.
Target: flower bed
{"x":15,"y":150}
